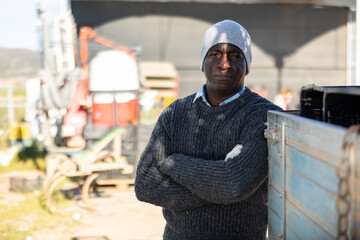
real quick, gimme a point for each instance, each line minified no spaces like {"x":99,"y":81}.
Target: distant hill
{"x":18,"y":63}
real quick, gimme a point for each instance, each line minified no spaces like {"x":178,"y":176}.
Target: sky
{"x":18,"y":22}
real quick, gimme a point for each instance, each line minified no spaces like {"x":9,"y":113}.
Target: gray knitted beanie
{"x":227,"y":31}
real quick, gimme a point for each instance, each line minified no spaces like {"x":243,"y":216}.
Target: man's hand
{"x":234,"y":152}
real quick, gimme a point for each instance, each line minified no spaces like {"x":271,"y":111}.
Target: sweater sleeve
{"x":151,"y":185}
{"x":223,"y":182}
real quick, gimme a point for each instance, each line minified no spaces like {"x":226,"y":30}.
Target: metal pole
{"x":283,"y":173}
{"x":357,"y":66}
{"x":11,"y":113}
{"x":64,"y":7}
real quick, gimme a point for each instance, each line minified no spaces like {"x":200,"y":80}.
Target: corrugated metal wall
{"x":293,"y":45}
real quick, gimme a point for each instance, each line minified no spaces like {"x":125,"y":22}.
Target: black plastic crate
{"x":338,"y":105}
{"x":25,"y":184}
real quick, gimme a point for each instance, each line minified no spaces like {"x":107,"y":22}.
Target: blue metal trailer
{"x":314,"y":178}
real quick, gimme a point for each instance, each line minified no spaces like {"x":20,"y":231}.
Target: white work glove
{"x":234,"y":152}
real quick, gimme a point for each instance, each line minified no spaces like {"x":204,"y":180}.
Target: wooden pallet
{"x":114,"y":184}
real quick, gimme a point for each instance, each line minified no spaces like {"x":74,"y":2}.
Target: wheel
{"x":48,"y":191}
{"x":85,"y":188}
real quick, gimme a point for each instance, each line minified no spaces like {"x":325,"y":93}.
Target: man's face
{"x":225,"y":70}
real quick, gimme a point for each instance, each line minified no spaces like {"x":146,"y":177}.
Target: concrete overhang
{"x":331,"y":3}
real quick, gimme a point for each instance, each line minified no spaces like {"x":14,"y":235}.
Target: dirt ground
{"x":118,"y":215}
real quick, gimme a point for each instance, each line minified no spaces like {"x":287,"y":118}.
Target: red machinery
{"x":111,"y":80}
{"x":88,"y":108}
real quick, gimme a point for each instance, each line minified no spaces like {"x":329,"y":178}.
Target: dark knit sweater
{"x":183,"y":170}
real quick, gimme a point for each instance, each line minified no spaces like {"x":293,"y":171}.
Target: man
{"x":206,"y":161}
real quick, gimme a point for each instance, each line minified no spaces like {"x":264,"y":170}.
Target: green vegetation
{"x":25,"y":218}
{"x":29,"y":158}
{"x":16,"y":165}
{"x":22,"y":219}
{"x":19,"y":95}
{"x":17,"y":92}
{"x":3,"y":140}
{"x":19,"y":114}
{"x":33,"y":154}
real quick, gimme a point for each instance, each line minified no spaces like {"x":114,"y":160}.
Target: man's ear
{"x":202,"y":69}
{"x":203,"y":63}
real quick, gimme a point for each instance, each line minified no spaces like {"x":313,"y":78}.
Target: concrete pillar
{"x":351,"y":48}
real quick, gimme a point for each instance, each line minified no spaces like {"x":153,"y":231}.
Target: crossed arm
{"x":181,"y":182}
{"x":152,"y":185}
